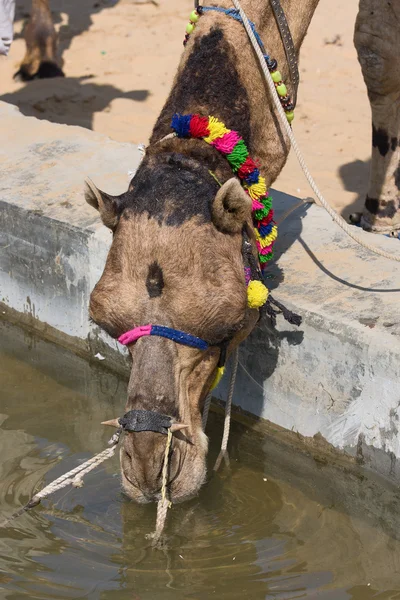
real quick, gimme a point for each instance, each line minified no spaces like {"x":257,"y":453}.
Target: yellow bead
{"x":281,"y":89}
{"x":257,"y":294}
{"x":194,"y":16}
{"x":276,"y":76}
{"x":290,"y":116}
{"x":189,"y":28}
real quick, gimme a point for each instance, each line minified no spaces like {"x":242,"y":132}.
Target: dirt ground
{"x":120,"y":58}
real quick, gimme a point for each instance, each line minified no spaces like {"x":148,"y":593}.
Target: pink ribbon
{"x":134,"y":334}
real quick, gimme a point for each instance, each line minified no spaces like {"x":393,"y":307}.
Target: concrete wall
{"x":337,"y":375}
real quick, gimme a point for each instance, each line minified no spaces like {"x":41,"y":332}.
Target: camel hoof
{"x":47,"y":70}
{"x":355,"y":218}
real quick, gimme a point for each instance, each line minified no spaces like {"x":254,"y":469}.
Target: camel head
{"x":176,"y":262}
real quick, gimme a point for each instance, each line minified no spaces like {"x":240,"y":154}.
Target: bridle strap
{"x":145,"y":420}
{"x":180,"y":337}
{"x":288,"y":46}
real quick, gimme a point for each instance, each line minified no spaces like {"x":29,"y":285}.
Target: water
{"x":277,"y":525}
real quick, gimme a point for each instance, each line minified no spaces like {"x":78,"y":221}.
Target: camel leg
{"x":377,"y":40}
{"x":41,"y":45}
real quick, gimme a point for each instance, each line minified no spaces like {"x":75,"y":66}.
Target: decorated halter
{"x":180,"y":337}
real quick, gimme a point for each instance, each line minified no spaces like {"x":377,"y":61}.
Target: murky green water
{"x":276,"y":525}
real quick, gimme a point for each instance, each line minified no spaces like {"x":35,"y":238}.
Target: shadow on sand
{"x":73,"y":100}
{"x":69,"y":100}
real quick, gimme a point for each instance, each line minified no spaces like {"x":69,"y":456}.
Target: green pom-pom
{"x":189,"y":28}
{"x":276,"y":76}
{"x":260,"y":213}
{"x":238,"y":155}
{"x":194,"y":16}
{"x":266,"y":257}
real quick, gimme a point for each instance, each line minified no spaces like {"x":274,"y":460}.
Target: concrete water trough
{"x":333,"y":380}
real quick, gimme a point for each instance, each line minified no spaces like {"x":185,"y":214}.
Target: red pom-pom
{"x":199,"y":126}
{"x":266,"y":220}
{"x":247,"y":167}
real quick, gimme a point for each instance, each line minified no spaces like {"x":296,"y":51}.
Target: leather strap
{"x":145,"y":420}
{"x":288,"y":46}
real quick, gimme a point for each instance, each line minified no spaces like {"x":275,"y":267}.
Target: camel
{"x":174,"y":288}
{"x":176,"y":262}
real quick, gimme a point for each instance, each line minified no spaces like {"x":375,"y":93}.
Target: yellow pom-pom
{"x":256,"y":190}
{"x":257,"y":294}
{"x":216,"y":129}
{"x":218,"y":377}
{"x":268,"y":239}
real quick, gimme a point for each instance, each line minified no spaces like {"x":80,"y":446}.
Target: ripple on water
{"x":272,"y":526}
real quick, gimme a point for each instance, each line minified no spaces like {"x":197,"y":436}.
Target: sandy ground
{"x":120,"y":58}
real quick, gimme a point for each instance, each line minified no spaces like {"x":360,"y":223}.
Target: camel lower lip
{"x":139,"y":496}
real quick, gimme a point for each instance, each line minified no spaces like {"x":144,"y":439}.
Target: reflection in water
{"x":276,"y":525}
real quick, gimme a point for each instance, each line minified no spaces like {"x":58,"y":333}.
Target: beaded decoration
{"x":232,"y":146}
{"x":272,"y":64}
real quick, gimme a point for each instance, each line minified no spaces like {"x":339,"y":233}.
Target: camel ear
{"x":231,"y":207}
{"x":109,"y":207}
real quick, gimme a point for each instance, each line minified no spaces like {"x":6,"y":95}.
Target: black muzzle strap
{"x":145,"y":420}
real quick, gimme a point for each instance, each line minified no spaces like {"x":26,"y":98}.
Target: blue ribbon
{"x":179,"y":336}
{"x":234,"y":13}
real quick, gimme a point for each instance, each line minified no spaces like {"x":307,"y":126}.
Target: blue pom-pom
{"x":266,"y":229}
{"x":181,"y":125}
{"x":253,"y":177}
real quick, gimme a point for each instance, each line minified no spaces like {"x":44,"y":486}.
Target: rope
{"x":73,"y":477}
{"x":206,"y":409}
{"x":232,"y":12}
{"x":228,"y":409}
{"x":164,"y":504}
{"x":303,"y":202}
{"x":286,"y":126}
{"x":162,"y":510}
{"x":165,"y":467}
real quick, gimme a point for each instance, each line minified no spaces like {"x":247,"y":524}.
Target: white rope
{"x":206,"y":409}
{"x":286,"y":126}
{"x":228,"y":410}
{"x":73,"y":477}
{"x":164,"y":486}
{"x":251,"y":376}
{"x":162,"y":511}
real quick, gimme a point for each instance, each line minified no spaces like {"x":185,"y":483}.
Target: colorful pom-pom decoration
{"x":257,"y":294}
{"x":232,"y":146}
